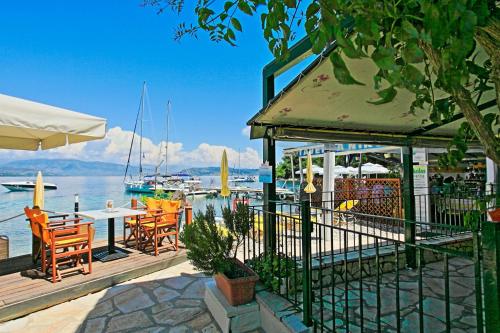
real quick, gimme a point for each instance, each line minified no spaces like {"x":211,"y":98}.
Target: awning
{"x":315,"y":107}
{"x":28,"y":125}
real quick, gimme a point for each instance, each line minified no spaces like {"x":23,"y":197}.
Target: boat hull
{"x":26,"y":187}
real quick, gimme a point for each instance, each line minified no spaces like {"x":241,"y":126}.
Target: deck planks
{"x":21,"y":295}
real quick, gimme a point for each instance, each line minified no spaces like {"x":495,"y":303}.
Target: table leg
{"x":111,"y":253}
{"x":111,"y":235}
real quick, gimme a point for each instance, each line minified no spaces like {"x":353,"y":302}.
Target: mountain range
{"x":70,"y":167}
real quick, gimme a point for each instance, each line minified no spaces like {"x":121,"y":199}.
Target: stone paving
{"x":462,"y":301}
{"x":166,"y":301}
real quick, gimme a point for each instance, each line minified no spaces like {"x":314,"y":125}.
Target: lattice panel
{"x":377,"y":196}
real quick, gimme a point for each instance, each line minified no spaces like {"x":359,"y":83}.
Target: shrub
{"x":211,"y":247}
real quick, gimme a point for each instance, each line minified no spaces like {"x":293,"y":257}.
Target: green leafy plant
{"x":445,"y":53}
{"x":211,"y":247}
{"x":274,"y":270}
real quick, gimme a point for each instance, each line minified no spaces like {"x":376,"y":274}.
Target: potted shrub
{"x":212,"y":248}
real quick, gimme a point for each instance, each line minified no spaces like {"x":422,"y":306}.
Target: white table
{"x":111,"y":253}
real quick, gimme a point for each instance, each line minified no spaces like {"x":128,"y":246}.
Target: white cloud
{"x":115,"y":148}
{"x":245,"y":131}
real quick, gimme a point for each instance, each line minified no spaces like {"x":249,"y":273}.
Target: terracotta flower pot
{"x":240,"y":290}
{"x":495,"y":214}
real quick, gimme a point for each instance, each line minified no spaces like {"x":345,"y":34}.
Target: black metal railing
{"x":327,"y":261}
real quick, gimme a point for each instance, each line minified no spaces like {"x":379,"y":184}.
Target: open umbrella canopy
{"x":39,"y":192}
{"x":309,"y":176}
{"x":28,"y":125}
{"x":224,"y":176}
{"x":371,"y":169}
{"x":316,"y":170}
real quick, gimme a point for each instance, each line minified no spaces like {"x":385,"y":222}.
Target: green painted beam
{"x":409,"y":206}
{"x":491,"y":275}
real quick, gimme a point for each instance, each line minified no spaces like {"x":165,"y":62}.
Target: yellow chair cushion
{"x":170,"y":207}
{"x":71,"y":240}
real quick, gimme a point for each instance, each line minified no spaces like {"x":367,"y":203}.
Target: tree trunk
{"x":471,"y":113}
{"x":483,"y":132}
{"x":489,"y":38}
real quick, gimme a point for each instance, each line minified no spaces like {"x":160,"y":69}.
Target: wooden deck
{"x":24,"y":289}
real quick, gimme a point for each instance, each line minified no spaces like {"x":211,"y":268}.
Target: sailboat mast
{"x":142,"y":116}
{"x":166,"y":145}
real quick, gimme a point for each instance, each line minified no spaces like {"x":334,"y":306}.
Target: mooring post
{"x":77,"y":199}
{"x":305,"y":210}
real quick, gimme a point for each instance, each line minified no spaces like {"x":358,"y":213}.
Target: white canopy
{"x":316,"y":170}
{"x":30,"y":125}
{"x":370,"y":168}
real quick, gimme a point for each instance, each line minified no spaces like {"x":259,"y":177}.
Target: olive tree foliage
{"x":428,"y":47}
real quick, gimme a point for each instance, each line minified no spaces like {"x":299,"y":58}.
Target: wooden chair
{"x":131,"y":227}
{"x":159,"y":225}
{"x":343,"y":213}
{"x":64,"y":242}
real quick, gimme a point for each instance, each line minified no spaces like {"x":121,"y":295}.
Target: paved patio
{"x":462,"y":301}
{"x":166,"y":301}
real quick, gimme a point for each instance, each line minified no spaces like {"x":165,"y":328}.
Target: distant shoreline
{"x":74,"y":168}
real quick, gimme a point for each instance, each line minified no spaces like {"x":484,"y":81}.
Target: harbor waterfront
{"x":93,"y":193}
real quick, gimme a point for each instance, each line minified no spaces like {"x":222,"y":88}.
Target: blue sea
{"x":93,"y":193}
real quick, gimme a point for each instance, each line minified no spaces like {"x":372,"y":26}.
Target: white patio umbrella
{"x":28,"y":125}
{"x":315,"y":170}
{"x":372,"y":169}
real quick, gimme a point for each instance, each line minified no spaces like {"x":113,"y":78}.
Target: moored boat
{"x":26,"y":186}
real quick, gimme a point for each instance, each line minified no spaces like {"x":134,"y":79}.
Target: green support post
{"x":305,"y":210}
{"x":269,"y":155}
{"x":269,"y":197}
{"x":491,"y":275}
{"x":409,"y":206}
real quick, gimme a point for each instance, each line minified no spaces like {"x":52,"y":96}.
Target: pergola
{"x":315,"y":107}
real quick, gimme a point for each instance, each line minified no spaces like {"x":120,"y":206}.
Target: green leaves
{"x":236,"y":24}
{"x":412,"y":53}
{"x":245,"y":7}
{"x":384,"y":57}
{"x":409,"y":31}
{"x":386,"y":96}
{"x":340,"y":70}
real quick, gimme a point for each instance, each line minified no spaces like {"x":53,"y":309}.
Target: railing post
{"x":491,"y":275}
{"x":305,"y":210}
{"x":409,"y":206}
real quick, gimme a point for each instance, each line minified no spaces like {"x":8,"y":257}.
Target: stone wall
{"x":341,"y":270}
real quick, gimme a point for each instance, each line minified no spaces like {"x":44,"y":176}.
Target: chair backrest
{"x":38,"y":222}
{"x":171,"y":208}
{"x":347,"y":205}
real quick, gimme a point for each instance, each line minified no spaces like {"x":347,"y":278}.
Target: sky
{"x":93,"y":57}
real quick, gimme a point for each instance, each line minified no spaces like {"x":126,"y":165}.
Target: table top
{"x":103,"y":214}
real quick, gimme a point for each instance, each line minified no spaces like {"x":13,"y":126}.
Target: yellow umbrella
{"x":224,"y":175}
{"x":309,"y":176}
{"x":39,"y":191}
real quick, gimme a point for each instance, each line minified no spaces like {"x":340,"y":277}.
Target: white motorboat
{"x":26,"y":186}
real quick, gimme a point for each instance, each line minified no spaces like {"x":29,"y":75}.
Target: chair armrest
{"x":72,"y":226}
{"x":60,"y":215}
{"x":78,"y":219}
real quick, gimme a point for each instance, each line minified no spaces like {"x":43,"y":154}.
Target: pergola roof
{"x":316,"y":107}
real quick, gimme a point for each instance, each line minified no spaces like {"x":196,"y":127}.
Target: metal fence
{"x":348,"y":271}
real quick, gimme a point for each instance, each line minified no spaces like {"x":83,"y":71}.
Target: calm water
{"x":93,"y":193}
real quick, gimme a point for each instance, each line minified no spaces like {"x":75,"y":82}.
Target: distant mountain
{"x":62,"y":167}
{"x":69,"y":167}
{"x":211,"y":171}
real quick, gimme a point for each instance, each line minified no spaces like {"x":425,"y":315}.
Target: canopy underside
{"x":316,"y":107}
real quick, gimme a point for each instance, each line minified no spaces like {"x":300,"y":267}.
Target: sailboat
{"x":240,"y":178}
{"x":144,"y":183}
